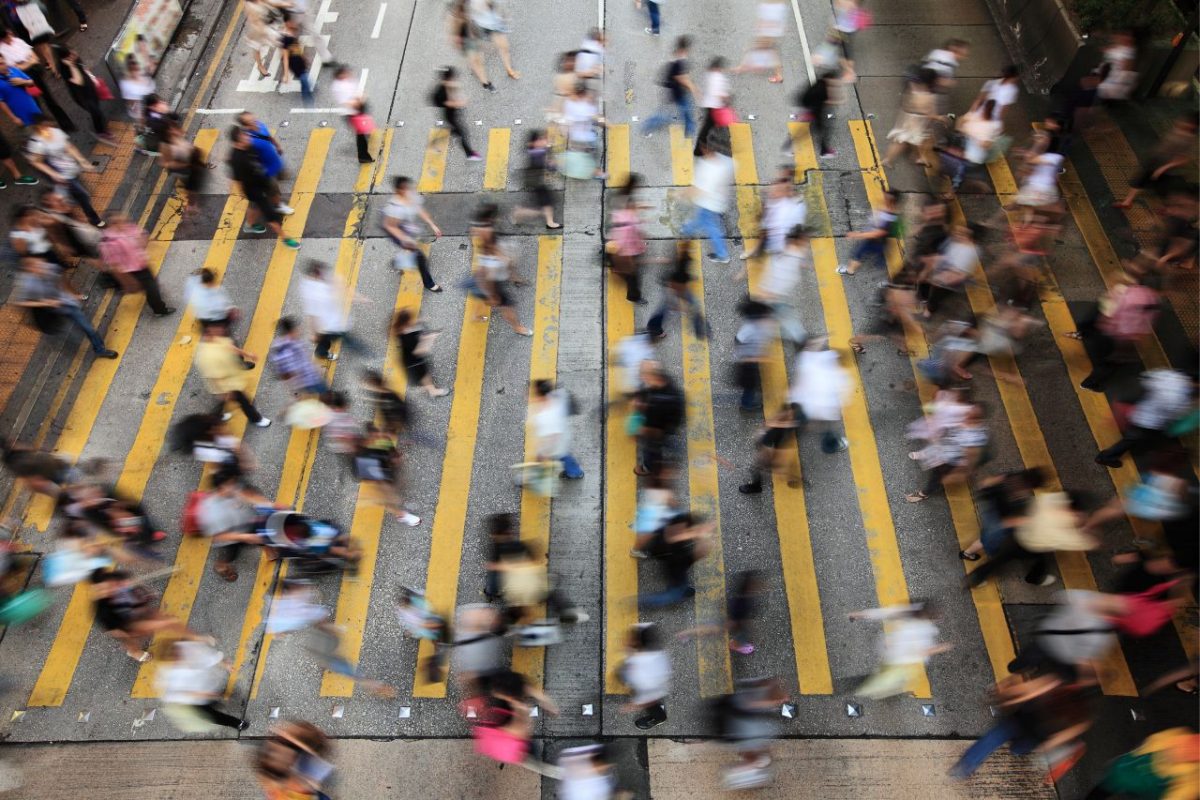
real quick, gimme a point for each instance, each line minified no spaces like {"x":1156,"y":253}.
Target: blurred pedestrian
{"x":223,"y":367}
{"x":290,"y":357}
{"x":18,"y":53}
{"x":659,"y":411}
{"x":468,"y":41}
{"x":493,"y":273}
{"x":258,"y":188}
{"x":447,"y":95}
{"x":327,"y":308}
{"x":210,"y":302}
{"x":402,"y":218}
{"x":491,"y":22}
{"x":1168,"y":395}
{"x":269,"y":153}
{"x":746,"y":722}
{"x":781,"y":211}
{"x":646,"y":670}
{"x":1125,"y":314}
{"x":886,"y":226}
{"x":588,"y":774}
{"x":814,"y":103}
{"x":771,"y":452}
{"x":292,"y":763}
{"x":755,"y":333}
{"x":714,"y":99}
{"x":780,"y":280}
{"x":681,"y":93}
{"x":1163,"y":766}
{"x":913,"y":127}
{"x":295,"y":65}
{"x":740,"y":610}
{"x":50,"y":151}
{"x":549,"y":419}
{"x":710,"y":194}
{"x":125,"y":610}
{"x":123,"y":249}
{"x":679,"y":545}
{"x":181,"y":157}
{"x":820,"y":387}
{"x":87,"y":90}
{"x":414,"y":342}
{"x":39,"y":288}
{"x":910,"y":638}
{"x":261,"y":32}
{"x":539,"y":164}
{"x":627,"y":242}
{"x":191,"y":681}
{"x":764,"y":55}
{"x":654,"y":9}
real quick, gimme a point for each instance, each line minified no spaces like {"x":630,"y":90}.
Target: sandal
{"x":1192,"y":691}
{"x":1076,"y":335}
{"x":965,"y":556}
{"x":775,"y":79}
{"x":226,"y":571}
{"x":141,"y":657}
{"x":916,"y":497}
{"x":857,"y":347}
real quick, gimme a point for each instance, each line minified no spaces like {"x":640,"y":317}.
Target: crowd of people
{"x":106,"y":540}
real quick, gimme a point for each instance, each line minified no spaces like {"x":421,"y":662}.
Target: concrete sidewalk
{"x":830,"y":769}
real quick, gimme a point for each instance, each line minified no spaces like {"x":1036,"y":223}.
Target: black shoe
{"x":1111,"y":463}
{"x":646,"y":723}
{"x":1092,"y":385}
{"x":754,"y":487}
{"x":243,"y":725}
{"x":491,"y":87}
{"x":965,"y":556}
{"x":689,"y":592}
{"x":166,"y":312}
{"x":367,"y":160}
{"x":106,"y":354}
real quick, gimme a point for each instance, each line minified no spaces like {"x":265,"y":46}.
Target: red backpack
{"x":190,"y":524}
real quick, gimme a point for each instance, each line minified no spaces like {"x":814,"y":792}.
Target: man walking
{"x":256,"y":186}
{"x":681,"y":93}
{"x":712,"y":188}
{"x":51,"y":152}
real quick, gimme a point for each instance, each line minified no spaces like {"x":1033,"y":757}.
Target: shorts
{"x":501,"y":295}
{"x":45,"y":37}
{"x":267,"y":209}
{"x":6,"y":150}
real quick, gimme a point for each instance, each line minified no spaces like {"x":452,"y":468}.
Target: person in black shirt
{"x":448,"y":98}
{"x":680,"y":93}
{"x":813,"y":103}
{"x":678,"y":296}
{"x":256,"y":186}
{"x":414,"y":342}
{"x":539,"y":163}
{"x":663,"y":410}
{"x":291,"y":51}
{"x":771,"y":451}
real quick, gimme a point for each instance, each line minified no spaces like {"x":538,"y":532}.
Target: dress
{"x":912,"y":123}
{"x":414,"y":364}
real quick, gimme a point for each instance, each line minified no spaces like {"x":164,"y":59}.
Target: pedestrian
{"x":210,"y":302}
{"x":946,"y":60}
{"x":746,"y":722}
{"x":589,"y":58}
{"x":848,"y":19}
{"x":123,"y":250}
{"x":413,"y":343}
{"x":1163,"y":766}
{"x":125,"y":610}
{"x":777,"y":286}
{"x":1125,"y":314}
{"x":6,"y":160}
{"x":659,"y":413}
{"x":15,"y":99}
{"x":1003,"y":90}
{"x":678,"y":297}
{"x":1168,"y":395}
{"x":951,"y":269}
{"x":886,"y":227}
{"x":526,"y":587}
{"x":814,"y":103}
{"x":764,"y":55}
{"x":910,"y":639}
{"x":260,"y":31}
{"x":269,"y":153}
{"x":654,"y":9}
{"x":190,"y":682}
{"x":292,"y":362}
{"x":646,"y":670}
{"x":402,"y":218}
{"x":504,"y":544}
{"x":679,"y":545}
{"x":581,"y":114}
{"x":493,"y":273}
{"x":323,"y":298}
{"x":20,"y":54}
{"x":740,"y":610}
{"x":713,"y":100}
{"x":248,"y":171}
{"x":223,"y":366}
{"x":50,"y":151}
{"x":1002,"y":501}
{"x":681,"y":93}
{"x":754,"y":335}
{"x":588,"y":774}
{"x":468,"y":41}
{"x":379,"y":467}
{"x":913,"y":126}
{"x":39,"y":32}
{"x":954,"y":452}
{"x":1176,"y":150}
{"x":86,"y":90}
{"x":351,"y":101}
{"x":563,"y":84}
{"x":539,"y":163}
{"x":292,"y":762}
{"x":77,"y":241}
{"x":490,"y":21}
{"x":298,"y":11}
{"x":39,"y":288}
{"x":781,"y":210}
{"x":710,"y":194}
{"x":229,"y":514}
{"x":137,"y":90}
{"x":295,"y":65}
{"x":386,"y":406}
{"x":820,"y":388}
{"x":183,"y":158}
{"x":447,"y":95}
{"x":983,"y":141}
{"x":549,"y":420}
{"x":656,"y":505}
{"x":770,"y":455}
{"x":627,"y":243}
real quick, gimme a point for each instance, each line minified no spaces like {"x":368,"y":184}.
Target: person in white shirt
{"x":778,"y":284}
{"x":946,"y":59}
{"x":910,"y":637}
{"x":712,"y":188}
{"x":647,"y":673}
{"x":1003,"y":90}
{"x":549,"y":419}
{"x":589,"y":59}
{"x":716,"y":95}
{"x":323,"y":297}
{"x":764,"y":54}
{"x":490,"y":21}
{"x":783,"y":208}
{"x":820,"y":387}
{"x":191,"y":681}
{"x":402,"y":218}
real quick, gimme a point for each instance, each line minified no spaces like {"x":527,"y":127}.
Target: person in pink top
{"x":123,"y":252}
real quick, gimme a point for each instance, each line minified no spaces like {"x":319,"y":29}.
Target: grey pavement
{"x":893,"y":750}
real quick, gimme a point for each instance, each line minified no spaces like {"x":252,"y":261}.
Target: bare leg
{"x":501,"y":41}
{"x":11,"y":166}
{"x":510,"y":316}
{"x":475,"y":63}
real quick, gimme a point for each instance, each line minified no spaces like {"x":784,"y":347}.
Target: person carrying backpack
{"x":681,"y":93}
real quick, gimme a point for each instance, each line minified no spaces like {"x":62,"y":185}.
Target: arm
{"x":428,"y":220}
{"x":13,"y":118}
{"x":39,"y":163}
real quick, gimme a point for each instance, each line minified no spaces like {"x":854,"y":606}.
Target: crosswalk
{"x":442,"y":564}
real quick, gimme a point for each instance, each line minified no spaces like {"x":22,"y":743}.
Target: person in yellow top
{"x":223,"y":366}
{"x":1163,"y":767}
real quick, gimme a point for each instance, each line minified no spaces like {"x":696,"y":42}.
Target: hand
{"x":437,"y":232}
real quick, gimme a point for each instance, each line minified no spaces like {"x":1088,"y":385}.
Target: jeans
{"x":869,"y":249}
{"x":654,"y":326}
{"x":655,"y":16}
{"x":663,"y":117}
{"x":1004,"y":731}
{"x":571,"y":468}
{"x":306,"y":92}
{"x":789,"y":321}
{"x":667,"y":597}
{"x":84,"y":200}
{"x":75,"y":314}
{"x":711,"y":225}
{"x":326,"y":340}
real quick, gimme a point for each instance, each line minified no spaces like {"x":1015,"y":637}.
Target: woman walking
{"x":466,"y":40}
{"x":493,"y":273}
{"x":179,"y":156}
{"x":918,"y":106}
{"x":628,"y":242}
{"x":447,"y":95}
{"x":538,"y":166}
{"x":401,"y":221}
{"x":86,"y":90}
{"x":414,"y":343}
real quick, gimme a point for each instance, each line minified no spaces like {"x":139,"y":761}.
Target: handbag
{"x":724,"y":116}
{"x":102,"y":90}
{"x":363,"y":124}
{"x":579,"y":164}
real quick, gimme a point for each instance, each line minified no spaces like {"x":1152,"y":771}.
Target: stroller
{"x":311,"y":546}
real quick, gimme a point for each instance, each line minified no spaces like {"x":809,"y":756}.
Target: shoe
{"x":243,"y":724}
{"x":646,"y":723}
{"x":842,"y":444}
{"x":26,"y":180}
{"x":491,"y":87}
{"x":106,"y":353}
{"x":263,"y":423}
{"x":101,"y":224}
{"x":651,"y":31}
{"x":141,"y":657}
{"x":254,"y":228}
{"x":747,"y":255}
{"x":635,"y":553}
{"x":576,"y":616}
{"x":750,"y":488}
{"x":844,"y":270}
{"x":1091,"y":385}
{"x":1046,"y":581}
{"x":292,"y":243}
{"x":742,"y":649}
{"x":439,"y":393}
{"x":166,"y":312}
{"x":3,"y":185}
{"x":411,"y":520}
{"x":1111,"y":463}
{"x":524,"y":332}
{"x":437,"y":287}
{"x":228,"y":572}
{"x":228,"y":415}
{"x":286,"y":210}
{"x":716,"y":260}
{"x":329,"y":357}
{"x":965,"y":556}
{"x":474,"y":157}
{"x":367,"y":160}
{"x":158,"y":536}
{"x":829,"y":154}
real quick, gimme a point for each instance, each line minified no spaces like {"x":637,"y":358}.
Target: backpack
{"x":439,"y":96}
{"x":666,"y":79}
{"x":189,"y":524}
{"x":1132,"y":314}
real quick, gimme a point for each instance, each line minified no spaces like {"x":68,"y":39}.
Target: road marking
{"x":620,"y":496}
{"x":379,"y":21}
{"x":433,"y":168}
{"x":214,"y":111}
{"x":617,"y":153}
{"x":543,"y":364}
{"x":712,"y":652}
{"x":260,"y":83}
{"x":305,"y":110}
{"x":879,"y":528}
{"x":681,"y":157}
{"x":808,"y":65}
{"x":495,"y":171}
{"x":86,"y":408}
{"x":180,"y":593}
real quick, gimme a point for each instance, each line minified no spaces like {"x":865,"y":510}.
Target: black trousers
{"x":655,"y":713}
{"x":217,"y":716}
{"x":362,"y":140}
{"x":1011,"y":551}
{"x":244,"y":403}
{"x":818,"y":130}
{"x":149,"y":284}
{"x":454,"y":121}
{"x":1136,"y":440}
{"x":633,"y":284}
{"x":38,"y":76}
{"x":706,"y":126}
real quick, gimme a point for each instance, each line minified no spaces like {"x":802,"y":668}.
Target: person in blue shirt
{"x":269,"y":153}
{"x":18,"y":103}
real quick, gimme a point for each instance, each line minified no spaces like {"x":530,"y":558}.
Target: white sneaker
{"x":580,"y":616}
{"x":411,"y":520}
{"x":287,"y":211}
{"x":228,"y":415}
{"x":263,"y":423}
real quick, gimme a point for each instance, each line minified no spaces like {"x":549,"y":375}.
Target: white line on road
{"x":219,"y":110}
{"x":362,"y":80}
{"x":379,"y":21}
{"x":812,"y":73}
{"x":317,"y":110}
